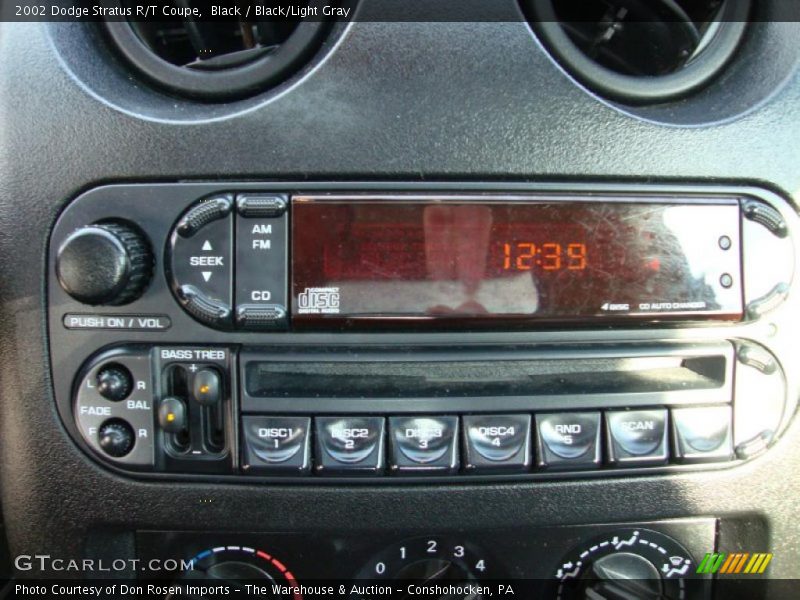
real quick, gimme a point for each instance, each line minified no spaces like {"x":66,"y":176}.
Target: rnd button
{"x":568,"y":432}
{"x":568,"y":440}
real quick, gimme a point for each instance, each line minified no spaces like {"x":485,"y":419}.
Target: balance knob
{"x":115,"y":437}
{"x":114,"y":383}
{"x":105,"y":263}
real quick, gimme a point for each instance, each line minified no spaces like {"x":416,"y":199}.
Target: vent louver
{"x":223,"y":59}
{"x":641,"y":50}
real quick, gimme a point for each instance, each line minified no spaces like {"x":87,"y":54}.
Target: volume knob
{"x":105,"y":263}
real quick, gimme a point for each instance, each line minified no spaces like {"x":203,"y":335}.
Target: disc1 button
{"x":276,"y":445}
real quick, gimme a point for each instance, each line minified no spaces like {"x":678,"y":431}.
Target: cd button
{"x":569,"y":440}
{"x":497,"y":442}
{"x":702,"y":434}
{"x":350,"y":445}
{"x":276,"y":445}
{"x":424,"y":444}
{"x":637,"y":436}
{"x":261,"y":254}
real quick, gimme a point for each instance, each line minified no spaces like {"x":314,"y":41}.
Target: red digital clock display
{"x":429,"y":260}
{"x":550,"y":256}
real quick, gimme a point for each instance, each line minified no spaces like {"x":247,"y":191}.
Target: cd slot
{"x":485,"y":380}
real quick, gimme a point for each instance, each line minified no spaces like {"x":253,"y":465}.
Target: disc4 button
{"x":497,"y":442}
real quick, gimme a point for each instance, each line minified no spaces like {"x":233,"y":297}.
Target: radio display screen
{"x":429,"y":260}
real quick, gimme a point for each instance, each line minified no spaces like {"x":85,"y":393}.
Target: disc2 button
{"x":497,"y":442}
{"x":569,"y":440}
{"x":276,"y":445}
{"x":424,"y":444}
{"x":637,"y":437}
{"x":349,"y":445}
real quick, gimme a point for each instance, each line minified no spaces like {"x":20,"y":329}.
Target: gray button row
{"x":428,"y":444}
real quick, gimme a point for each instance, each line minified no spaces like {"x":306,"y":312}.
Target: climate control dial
{"x":631,"y":563}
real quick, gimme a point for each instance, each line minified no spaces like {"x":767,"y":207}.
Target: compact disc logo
{"x":321,"y":300}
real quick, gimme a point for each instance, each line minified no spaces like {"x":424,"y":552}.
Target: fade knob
{"x":105,"y":263}
{"x":116,"y":438}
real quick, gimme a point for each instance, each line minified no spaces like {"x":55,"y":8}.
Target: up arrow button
{"x":207,"y":248}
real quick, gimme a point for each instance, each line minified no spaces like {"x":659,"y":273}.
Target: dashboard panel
{"x":373,"y":316}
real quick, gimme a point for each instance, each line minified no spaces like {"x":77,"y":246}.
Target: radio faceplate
{"x":277,"y":412}
{"x":439,"y":261}
{"x":214,"y":284}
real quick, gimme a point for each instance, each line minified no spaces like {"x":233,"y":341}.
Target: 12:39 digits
{"x":549,"y":256}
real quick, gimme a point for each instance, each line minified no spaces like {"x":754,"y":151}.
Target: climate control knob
{"x":105,"y":263}
{"x":627,"y":564}
{"x":621,"y":576}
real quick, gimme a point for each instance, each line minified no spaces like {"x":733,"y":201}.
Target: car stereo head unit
{"x":358,"y":261}
{"x":324,"y":332}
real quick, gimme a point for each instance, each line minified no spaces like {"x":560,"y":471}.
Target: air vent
{"x":223,"y":59}
{"x":641,"y":51}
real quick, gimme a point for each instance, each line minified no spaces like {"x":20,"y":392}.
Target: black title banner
{"x":359,"y":10}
